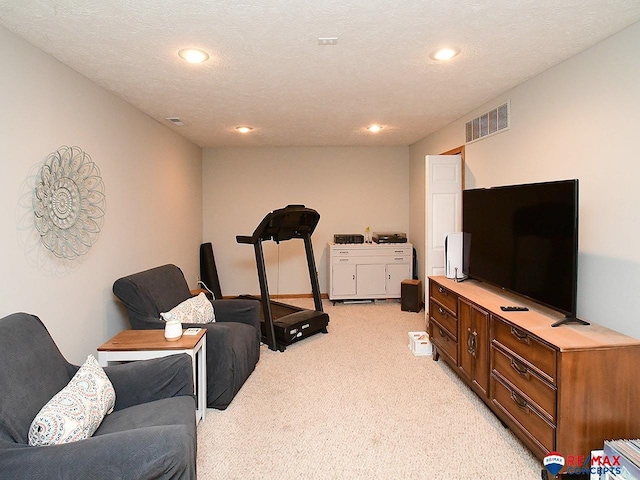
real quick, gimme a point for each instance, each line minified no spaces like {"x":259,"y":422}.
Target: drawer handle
{"x":442,"y":334}
{"x":442,"y":291}
{"x":520,"y":368}
{"x":519,"y":401}
{"x":442,"y":313}
{"x":521,"y":336}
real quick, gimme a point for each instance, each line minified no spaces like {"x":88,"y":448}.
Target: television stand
{"x":568,"y":319}
{"x":557,"y":389}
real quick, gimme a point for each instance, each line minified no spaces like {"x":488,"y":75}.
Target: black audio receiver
{"x":343,"y":238}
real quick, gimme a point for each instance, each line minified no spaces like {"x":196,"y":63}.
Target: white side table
{"x":130,"y":345}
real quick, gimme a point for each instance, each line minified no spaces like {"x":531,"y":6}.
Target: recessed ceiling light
{"x":244,"y":129}
{"x":193,"y":55}
{"x":327,"y":40}
{"x":374,"y":128}
{"x":444,"y":54}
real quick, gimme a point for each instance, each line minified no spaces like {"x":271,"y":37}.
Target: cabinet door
{"x":465,"y":340}
{"x":396,"y":273}
{"x":473,"y":346}
{"x":343,"y":279}
{"x":480,"y":320}
{"x":370,"y":280}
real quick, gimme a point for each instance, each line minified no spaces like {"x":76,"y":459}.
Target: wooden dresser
{"x":563,"y":389}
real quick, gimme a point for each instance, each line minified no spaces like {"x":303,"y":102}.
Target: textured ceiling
{"x":267,"y":70}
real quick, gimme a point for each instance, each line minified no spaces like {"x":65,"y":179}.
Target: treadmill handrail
{"x":244,"y":239}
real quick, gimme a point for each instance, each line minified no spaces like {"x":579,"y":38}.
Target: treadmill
{"x":285,"y":324}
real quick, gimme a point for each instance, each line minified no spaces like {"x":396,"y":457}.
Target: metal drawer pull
{"x":520,"y":368}
{"x":442,"y":312}
{"x":521,"y":402}
{"x":442,"y":290}
{"x":442,"y":334}
{"x":520,"y":335}
{"x":474,"y":337}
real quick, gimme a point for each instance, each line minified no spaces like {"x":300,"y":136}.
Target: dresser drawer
{"x":528,"y":347}
{"x":444,"y":296}
{"x":531,"y":423}
{"x":370,"y":260}
{"x":444,"y":341}
{"x":364,"y":250}
{"x":525,"y":379}
{"x":444,"y":318}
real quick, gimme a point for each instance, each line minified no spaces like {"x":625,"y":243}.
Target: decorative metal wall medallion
{"x":69,"y":202}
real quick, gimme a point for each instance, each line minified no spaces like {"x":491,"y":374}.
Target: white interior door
{"x":444,"y":207}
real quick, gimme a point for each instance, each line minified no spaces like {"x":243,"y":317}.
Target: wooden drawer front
{"x":532,"y":424}
{"x":525,"y":379}
{"x":443,"y":341}
{"x":528,"y":347}
{"x":444,"y":296}
{"x":444,"y":318}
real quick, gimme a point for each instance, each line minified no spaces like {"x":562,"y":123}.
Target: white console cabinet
{"x":369,"y":270}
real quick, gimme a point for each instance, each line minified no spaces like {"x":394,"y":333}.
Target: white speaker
{"x":453,"y":255}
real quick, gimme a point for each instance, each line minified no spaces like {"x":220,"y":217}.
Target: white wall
{"x":580,"y":119}
{"x":351,"y":188}
{"x":152,"y":186}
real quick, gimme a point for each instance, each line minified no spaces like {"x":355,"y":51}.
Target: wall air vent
{"x":490,"y":123}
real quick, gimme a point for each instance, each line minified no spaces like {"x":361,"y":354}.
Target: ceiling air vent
{"x":490,"y":123}
{"x":175,"y":121}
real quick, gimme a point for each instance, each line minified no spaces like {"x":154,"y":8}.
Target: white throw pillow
{"x":76,"y":411}
{"x":197,"y":309}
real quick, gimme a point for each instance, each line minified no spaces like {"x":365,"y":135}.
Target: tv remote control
{"x":510,"y":308}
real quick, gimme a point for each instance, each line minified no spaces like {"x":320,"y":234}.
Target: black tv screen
{"x":524,"y":238}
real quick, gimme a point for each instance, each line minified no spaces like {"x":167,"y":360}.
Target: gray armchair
{"x":233,"y":340}
{"x":151,"y":433}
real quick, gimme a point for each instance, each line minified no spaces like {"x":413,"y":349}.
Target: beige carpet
{"x":356,"y":404}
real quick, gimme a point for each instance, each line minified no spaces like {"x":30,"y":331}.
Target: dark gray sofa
{"x":233,"y":340}
{"x":151,"y":433}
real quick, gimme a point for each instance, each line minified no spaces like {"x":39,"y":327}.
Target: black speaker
{"x":411,"y":295}
{"x":208,"y":271}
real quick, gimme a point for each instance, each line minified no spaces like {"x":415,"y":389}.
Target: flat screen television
{"x":524,"y":239}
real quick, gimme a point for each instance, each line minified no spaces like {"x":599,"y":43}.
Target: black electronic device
{"x":389,"y":237}
{"x":284,"y":324}
{"x":346,"y":238}
{"x":524,"y":238}
{"x":411,"y":295}
{"x":513,"y":308}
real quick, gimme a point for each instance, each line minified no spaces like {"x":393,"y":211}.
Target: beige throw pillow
{"x":76,"y":411}
{"x":197,"y":309}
